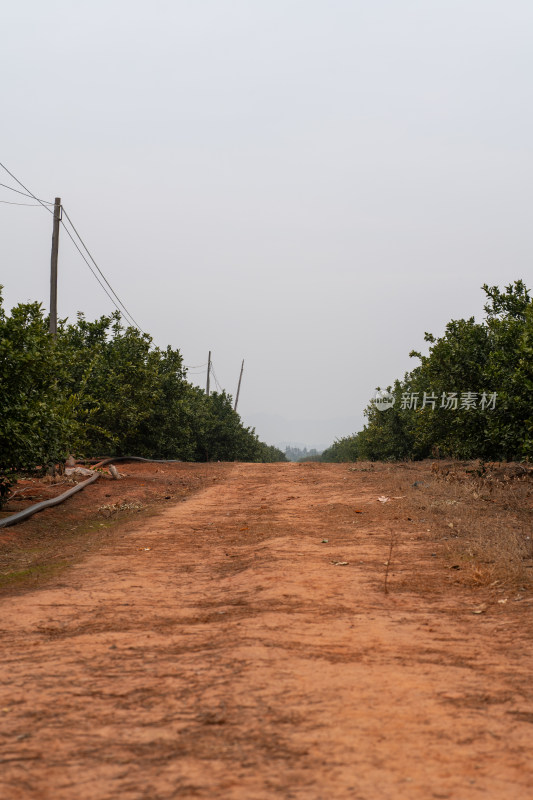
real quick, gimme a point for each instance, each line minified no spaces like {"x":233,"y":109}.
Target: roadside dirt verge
{"x":241,"y":645}
{"x":58,"y":537}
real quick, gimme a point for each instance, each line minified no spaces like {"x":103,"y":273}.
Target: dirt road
{"x":240,"y":645}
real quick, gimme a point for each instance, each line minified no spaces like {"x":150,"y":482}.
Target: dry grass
{"x":492,"y":521}
{"x":480,"y":514}
{"x":113,"y":509}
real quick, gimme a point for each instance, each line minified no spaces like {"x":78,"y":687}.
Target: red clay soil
{"x":241,"y":645}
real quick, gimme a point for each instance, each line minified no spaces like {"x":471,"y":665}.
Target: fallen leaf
{"x":145,"y":548}
{"x":383,"y":499}
{"x":340,"y":563}
{"x":324,"y":541}
{"x":480,"y":609}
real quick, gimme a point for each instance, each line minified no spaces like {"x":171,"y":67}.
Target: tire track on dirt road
{"x":222,"y":649}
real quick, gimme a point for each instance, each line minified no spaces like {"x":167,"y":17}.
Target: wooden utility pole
{"x":208,"y":373}
{"x":239,"y":387}
{"x":53,"y":267}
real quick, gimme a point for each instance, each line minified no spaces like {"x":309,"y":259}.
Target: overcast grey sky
{"x":308,"y":185}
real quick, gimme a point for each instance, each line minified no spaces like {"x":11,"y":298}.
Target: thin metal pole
{"x":208,"y":373}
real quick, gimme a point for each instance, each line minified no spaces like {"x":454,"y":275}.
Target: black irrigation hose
{"x":20,"y":516}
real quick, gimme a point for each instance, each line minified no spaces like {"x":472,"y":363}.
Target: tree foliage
{"x":101,"y":389}
{"x":493,"y":356}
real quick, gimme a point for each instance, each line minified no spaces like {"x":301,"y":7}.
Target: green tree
{"x":37,"y":419}
{"x":494,"y":356}
{"x":101,"y":389}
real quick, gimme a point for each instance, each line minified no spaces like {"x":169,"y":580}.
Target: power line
{"x":10,"y":203}
{"x":42,"y":202}
{"x":99,"y":270}
{"x":93,"y":272}
{"x":24,"y":194}
{"x":215,"y":377}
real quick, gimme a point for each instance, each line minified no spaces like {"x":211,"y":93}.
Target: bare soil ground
{"x":268,"y":631}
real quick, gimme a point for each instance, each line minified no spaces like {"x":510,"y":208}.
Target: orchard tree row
{"x":99,"y":388}
{"x":470,"y":397}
